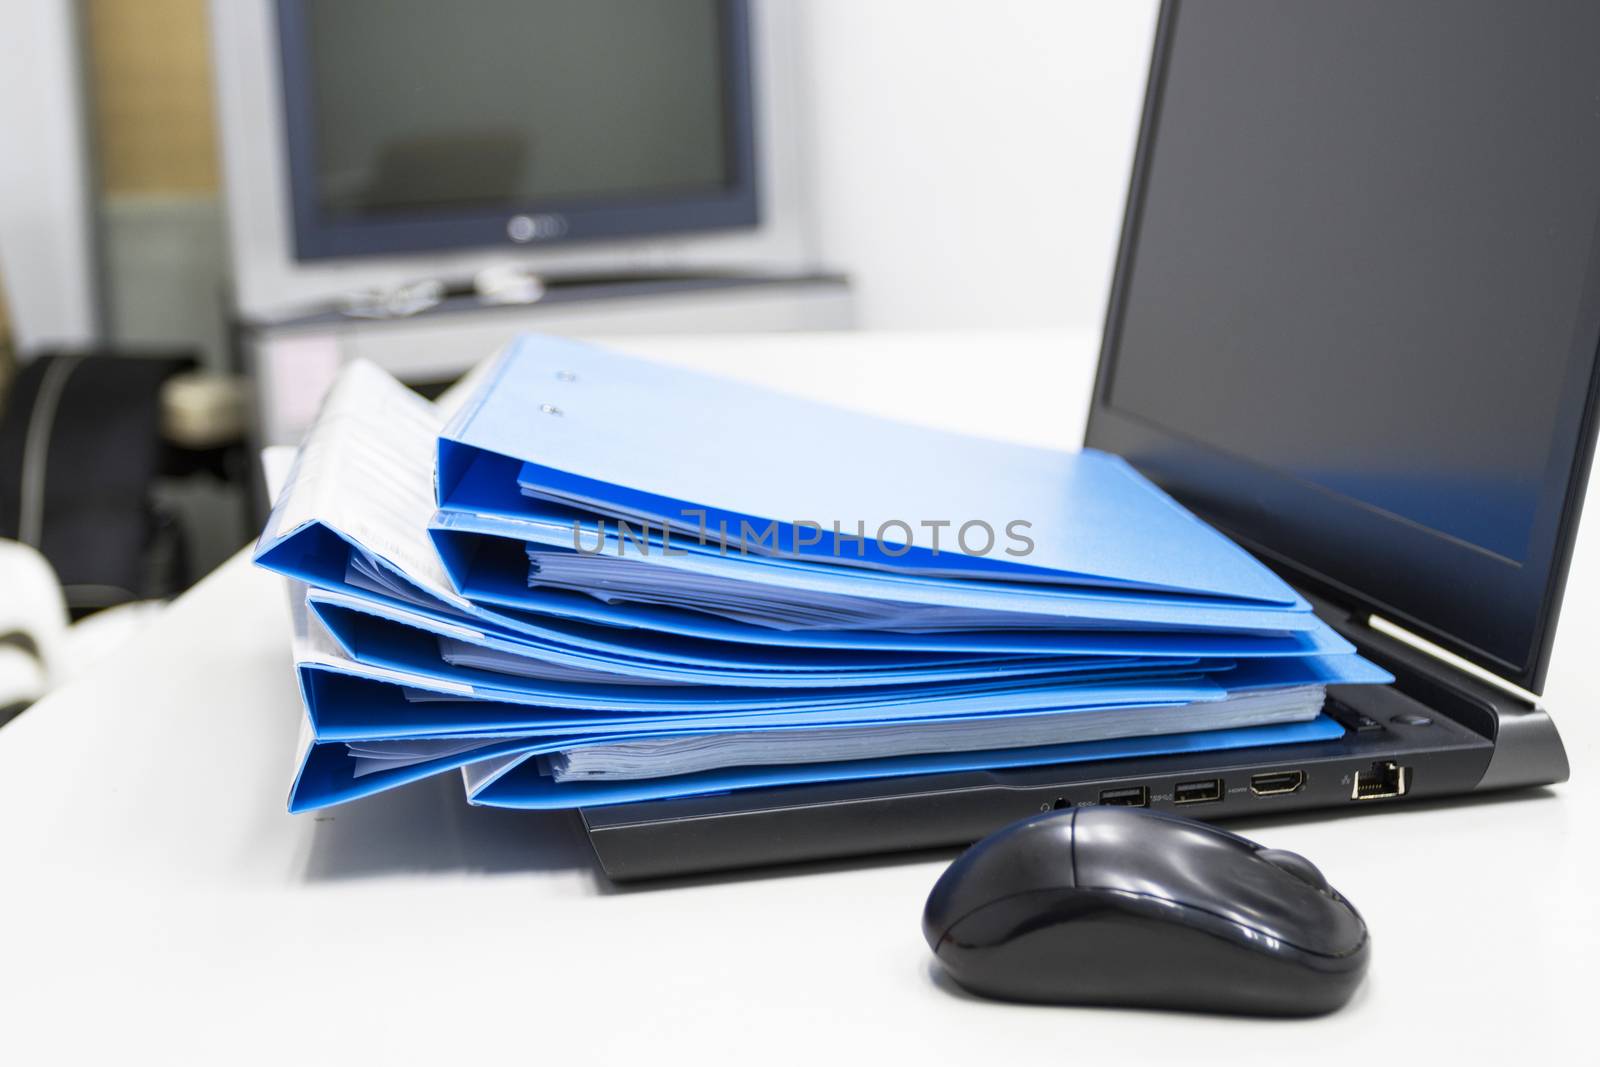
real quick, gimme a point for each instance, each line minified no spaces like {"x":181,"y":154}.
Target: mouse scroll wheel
{"x":1296,"y":865}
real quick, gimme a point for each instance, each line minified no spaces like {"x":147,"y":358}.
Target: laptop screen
{"x":1355,"y":317}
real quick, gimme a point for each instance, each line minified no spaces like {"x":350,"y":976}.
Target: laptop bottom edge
{"x":1394,"y":749}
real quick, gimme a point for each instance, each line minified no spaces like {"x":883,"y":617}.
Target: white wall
{"x":46,"y":263}
{"x":165,"y":264}
{"x":971,"y":156}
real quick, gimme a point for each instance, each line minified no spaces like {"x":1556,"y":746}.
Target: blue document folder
{"x":516,"y":781}
{"x":389,"y":634}
{"x":505,"y":771}
{"x":342,"y":705}
{"x":573,"y":424}
{"x":486,"y":558}
{"x":351,"y":709}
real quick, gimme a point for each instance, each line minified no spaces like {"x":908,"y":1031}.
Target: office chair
{"x":80,"y":446}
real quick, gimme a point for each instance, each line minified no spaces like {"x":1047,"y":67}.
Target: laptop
{"x":1353,"y":324}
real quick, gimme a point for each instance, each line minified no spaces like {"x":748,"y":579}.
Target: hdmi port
{"x":1277,"y":783}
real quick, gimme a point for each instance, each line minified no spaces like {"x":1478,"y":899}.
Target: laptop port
{"x":1386,"y":779}
{"x":1135,"y":797}
{"x":1277,"y":783}
{"x":1197,"y":792}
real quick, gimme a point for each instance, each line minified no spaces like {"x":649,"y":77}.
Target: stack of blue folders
{"x":599,"y":580}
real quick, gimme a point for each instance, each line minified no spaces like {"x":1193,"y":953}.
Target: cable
{"x":36,"y":448}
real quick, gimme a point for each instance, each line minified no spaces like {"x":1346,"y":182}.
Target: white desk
{"x":158,"y":905}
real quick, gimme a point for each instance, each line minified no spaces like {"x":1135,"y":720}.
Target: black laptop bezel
{"x":1252,"y":503}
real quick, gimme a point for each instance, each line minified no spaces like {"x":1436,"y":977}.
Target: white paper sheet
{"x":366,"y":469}
{"x":662,"y":757}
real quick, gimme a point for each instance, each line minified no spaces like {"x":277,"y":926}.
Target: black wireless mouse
{"x":1104,"y":905}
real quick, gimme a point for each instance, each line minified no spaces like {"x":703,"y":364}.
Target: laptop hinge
{"x":1528,"y":750}
{"x":1411,"y":663}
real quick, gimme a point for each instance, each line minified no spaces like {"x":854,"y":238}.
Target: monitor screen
{"x":416,"y":125}
{"x":1355,"y":318}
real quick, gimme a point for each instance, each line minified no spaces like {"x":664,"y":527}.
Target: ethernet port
{"x":1385,"y":779}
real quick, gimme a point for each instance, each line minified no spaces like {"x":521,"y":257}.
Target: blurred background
{"x":206,"y":209}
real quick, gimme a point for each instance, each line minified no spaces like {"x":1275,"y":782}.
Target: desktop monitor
{"x":366,"y":145}
{"x":418,"y":127}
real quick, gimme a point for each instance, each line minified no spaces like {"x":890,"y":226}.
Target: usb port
{"x":1135,"y":797}
{"x":1386,"y":779}
{"x":1277,"y":783}
{"x":1197,"y":792}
